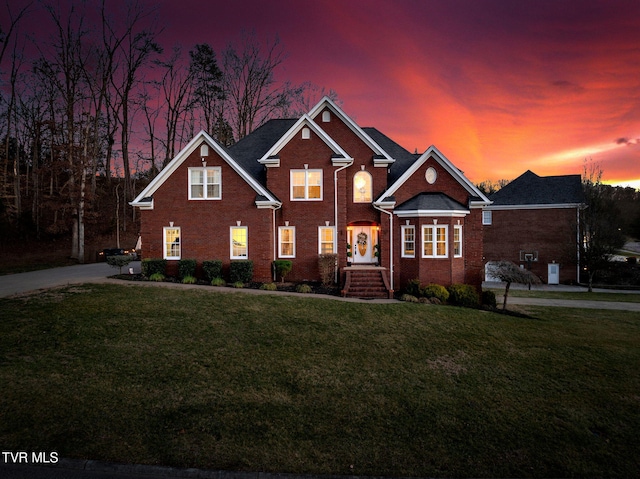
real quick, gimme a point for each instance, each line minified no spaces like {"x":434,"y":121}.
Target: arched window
{"x":362,"y":187}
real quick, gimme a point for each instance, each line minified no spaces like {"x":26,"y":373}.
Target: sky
{"x":498,"y":86}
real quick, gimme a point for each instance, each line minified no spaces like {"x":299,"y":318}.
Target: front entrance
{"x":364,"y":243}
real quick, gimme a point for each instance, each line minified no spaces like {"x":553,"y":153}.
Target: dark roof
{"x":252,"y":147}
{"x":531,"y":189}
{"x":431,"y":202}
{"x":403,"y":158}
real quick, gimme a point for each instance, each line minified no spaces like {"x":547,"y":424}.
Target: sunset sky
{"x":498,"y":86}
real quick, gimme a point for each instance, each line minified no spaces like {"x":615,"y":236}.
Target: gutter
{"x":390,"y":213}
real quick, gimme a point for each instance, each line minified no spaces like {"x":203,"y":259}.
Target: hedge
{"x":241,"y":271}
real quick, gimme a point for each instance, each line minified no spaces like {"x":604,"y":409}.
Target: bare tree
{"x":509,"y":273}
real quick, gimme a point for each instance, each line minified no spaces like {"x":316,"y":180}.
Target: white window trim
{"x":404,"y":229}
{"x":306,"y":184}
{"x":280,"y":229}
{"x":333,"y":236}
{"x":457,"y":228}
{"x":204,"y":169}
{"x":164,"y":242}
{"x":487,"y":217}
{"x":434,"y":249}
{"x":231,"y":229}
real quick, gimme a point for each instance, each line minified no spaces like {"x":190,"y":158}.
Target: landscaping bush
{"x":463,"y":295}
{"x":151,"y":266}
{"x":212,"y":269}
{"x":189,"y":280}
{"x":238,"y":284}
{"x":119,"y":261}
{"x":412,"y":288}
{"x":157,"y":277}
{"x":241,"y":271}
{"x":186,"y":267}
{"x":281,"y":268}
{"x":409,"y":298}
{"x":269,"y":286}
{"x":435,"y":291}
{"x":218,"y":282}
{"x":489,"y":299}
{"x":303,"y":288}
{"x":327,"y":267}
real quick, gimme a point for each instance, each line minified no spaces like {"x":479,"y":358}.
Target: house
{"x":296,"y":188}
{"x":534,"y":222}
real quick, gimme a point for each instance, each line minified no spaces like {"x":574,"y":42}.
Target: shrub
{"x":269,"y":286}
{"x":424,"y":301}
{"x":489,"y":299}
{"x":218,"y":282}
{"x":327,"y":268}
{"x":281,"y":267}
{"x":186,"y":267}
{"x":157,"y":277}
{"x":435,"y":291}
{"x":212,"y":269}
{"x":413,"y":288}
{"x":303,"y":288}
{"x":463,"y":295}
{"x":119,"y":261}
{"x":241,"y":271}
{"x":238,"y":284}
{"x":189,"y":280}
{"x":409,"y":298}
{"x":150,"y":266}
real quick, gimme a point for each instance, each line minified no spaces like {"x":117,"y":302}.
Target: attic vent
{"x":326,"y":116}
{"x":306,"y":133}
{"x":204,"y":150}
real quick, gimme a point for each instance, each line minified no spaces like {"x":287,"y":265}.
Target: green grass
{"x":288,"y":384}
{"x":571,"y":295}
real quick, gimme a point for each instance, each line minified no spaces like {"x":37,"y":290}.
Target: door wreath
{"x":362,"y":243}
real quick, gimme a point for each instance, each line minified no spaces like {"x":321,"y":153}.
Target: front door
{"x":553,"y":273}
{"x":363,"y":243}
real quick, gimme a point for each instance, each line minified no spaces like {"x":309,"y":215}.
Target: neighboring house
{"x":534,"y":222}
{"x":294,"y":189}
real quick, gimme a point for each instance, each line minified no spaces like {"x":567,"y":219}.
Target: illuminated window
{"x":434,"y":241}
{"x":326,"y":242}
{"x":171,"y":243}
{"x":239,"y":242}
{"x":408,"y":241}
{"x":362,"y":187}
{"x":205,"y":183}
{"x":457,"y":241}
{"x":306,"y":184}
{"x":287,"y":242}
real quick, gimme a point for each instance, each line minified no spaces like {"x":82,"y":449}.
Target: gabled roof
{"x":408,"y":168}
{"x":431,"y":204}
{"x":270,"y":157}
{"x":145,"y":199}
{"x":381,"y":157}
{"x":532,"y":191}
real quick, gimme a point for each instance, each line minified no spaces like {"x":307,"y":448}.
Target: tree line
{"x":92,"y":104}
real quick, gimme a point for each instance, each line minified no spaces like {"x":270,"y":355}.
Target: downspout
{"x":335,"y":212}
{"x":390,"y":213}
{"x":578,"y":240}
{"x":275,"y":239}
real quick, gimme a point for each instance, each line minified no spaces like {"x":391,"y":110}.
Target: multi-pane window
{"x":408,"y":241}
{"x":487,"y":217}
{"x":457,"y":241}
{"x":171,"y":243}
{"x":287,"y":242}
{"x":239,"y":242}
{"x":362,"y":188}
{"x":434,"y":241}
{"x":205,"y":183}
{"x":326,"y":243}
{"x":306,"y":184}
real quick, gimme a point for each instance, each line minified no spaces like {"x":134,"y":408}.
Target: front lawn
{"x":279,"y":383}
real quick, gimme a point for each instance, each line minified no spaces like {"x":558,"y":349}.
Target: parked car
{"x":105,"y":253}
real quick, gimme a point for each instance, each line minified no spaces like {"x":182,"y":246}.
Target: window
{"x":306,"y":184}
{"x":205,"y":184}
{"x":487,"y":217}
{"x":408,"y":241}
{"x":457,"y":241}
{"x":326,"y":243}
{"x":362,"y":187}
{"x":434,"y":241}
{"x":306,"y":133}
{"x":171,"y":243}
{"x":287,"y":242}
{"x":326,"y":116}
{"x":239,"y":242}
